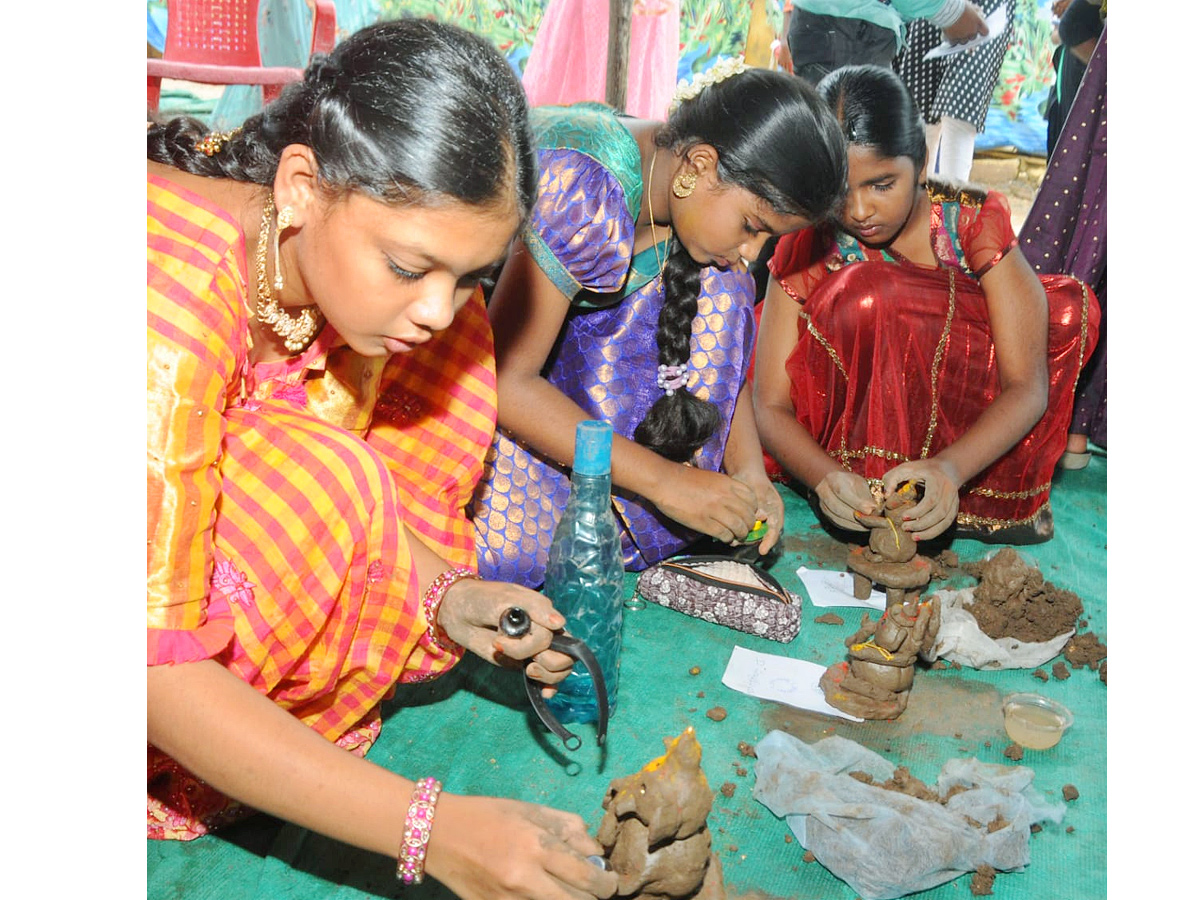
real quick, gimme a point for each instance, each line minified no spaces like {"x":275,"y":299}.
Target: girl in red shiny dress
{"x":912,"y":342}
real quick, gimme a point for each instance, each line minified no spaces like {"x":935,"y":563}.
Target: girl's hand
{"x":486,"y":848}
{"x":938,"y":508}
{"x":769,"y":510}
{"x":711,"y":503}
{"x":470,"y":616}
{"x":841,"y":494}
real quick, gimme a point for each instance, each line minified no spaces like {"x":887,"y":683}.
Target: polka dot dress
{"x":960,"y":85}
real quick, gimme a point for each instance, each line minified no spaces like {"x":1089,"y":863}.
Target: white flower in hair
{"x":714,"y":74}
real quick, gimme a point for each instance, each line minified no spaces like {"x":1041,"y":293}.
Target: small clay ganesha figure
{"x":874,"y":683}
{"x":655,"y":828}
{"x":890,"y":557}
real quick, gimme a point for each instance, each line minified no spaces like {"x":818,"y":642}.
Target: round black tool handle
{"x":515,"y":623}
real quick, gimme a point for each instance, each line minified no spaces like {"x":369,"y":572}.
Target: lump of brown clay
{"x":982,"y":880}
{"x":1012,"y":599}
{"x":1070,"y":792}
{"x":664,"y":806}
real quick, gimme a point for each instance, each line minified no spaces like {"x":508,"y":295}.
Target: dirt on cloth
{"x":1012,"y":599}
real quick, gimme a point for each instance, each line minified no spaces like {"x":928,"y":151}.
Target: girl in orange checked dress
{"x":321,"y":392}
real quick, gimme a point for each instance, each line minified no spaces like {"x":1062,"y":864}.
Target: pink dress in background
{"x":569,"y":59}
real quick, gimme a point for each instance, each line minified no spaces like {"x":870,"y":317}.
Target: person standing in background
{"x":1067,"y":231}
{"x":954,"y":92}
{"x":823,"y":35}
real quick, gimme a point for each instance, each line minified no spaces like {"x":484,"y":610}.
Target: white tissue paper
{"x":886,"y":844}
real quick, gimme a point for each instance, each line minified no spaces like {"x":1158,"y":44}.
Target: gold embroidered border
{"x":1083,"y":325}
{"x":871,"y":451}
{"x":1009,"y":495}
{"x":969,"y":519}
{"x":933,"y":372}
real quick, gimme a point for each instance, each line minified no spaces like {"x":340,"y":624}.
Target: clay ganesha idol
{"x":655,"y":828}
{"x":875,"y":681}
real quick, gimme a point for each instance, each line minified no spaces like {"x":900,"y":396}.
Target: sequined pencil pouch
{"x":726,"y":592}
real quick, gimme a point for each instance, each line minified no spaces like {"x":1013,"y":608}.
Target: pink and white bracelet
{"x":434,"y":595}
{"x":418,"y":824}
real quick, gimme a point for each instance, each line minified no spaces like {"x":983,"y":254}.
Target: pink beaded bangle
{"x":434,"y":594}
{"x":410,"y":864}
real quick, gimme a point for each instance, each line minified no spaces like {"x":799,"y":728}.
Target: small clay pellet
{"x":1041,"y":674}
{"x":728,"y":788}
{"x":809,"y":856}
{"x":717,"y":713}
{"x":1015,"y":752}
{"x":787,"y":838}
{"x":1070,"y":792}
{"x":694,"y":670}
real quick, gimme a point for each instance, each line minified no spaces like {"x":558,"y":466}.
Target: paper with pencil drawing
{"x":829,"y":587}
{"x":780,"y":678}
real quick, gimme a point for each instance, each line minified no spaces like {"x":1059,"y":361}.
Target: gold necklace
{"x":298,"y":332}
{"x":650,"y":203}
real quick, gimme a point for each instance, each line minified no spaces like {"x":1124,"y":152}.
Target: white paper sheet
{"x":830,"y":587}
{"x":996,"y":22}
{"x":779,"y":678}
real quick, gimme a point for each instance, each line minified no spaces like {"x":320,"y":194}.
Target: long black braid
{"x":776,"y":138}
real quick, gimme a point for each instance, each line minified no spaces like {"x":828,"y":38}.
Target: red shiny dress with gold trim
{"x":895,"y":360}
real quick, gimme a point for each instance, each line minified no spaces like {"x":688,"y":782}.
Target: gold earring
{"x":298,"y":331}
{"x":684,"y":184}
{"x":284,"y":220}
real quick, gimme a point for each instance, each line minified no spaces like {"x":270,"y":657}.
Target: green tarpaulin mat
{"x":474,"y":729}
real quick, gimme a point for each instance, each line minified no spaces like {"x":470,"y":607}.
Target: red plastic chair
{"x":216,"y":42}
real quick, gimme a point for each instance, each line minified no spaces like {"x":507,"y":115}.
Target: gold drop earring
{"x":684,"y":184}
{"x":297,"y":332}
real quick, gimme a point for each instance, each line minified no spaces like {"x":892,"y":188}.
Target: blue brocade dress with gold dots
{"x":581,"y":234}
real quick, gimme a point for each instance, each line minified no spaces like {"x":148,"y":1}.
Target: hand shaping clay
{"x":655,"y":828}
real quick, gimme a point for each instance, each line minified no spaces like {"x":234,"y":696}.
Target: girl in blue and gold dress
{"x":628,"y":300}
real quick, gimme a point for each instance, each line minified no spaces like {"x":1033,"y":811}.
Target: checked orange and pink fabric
{"x":280,"y":496}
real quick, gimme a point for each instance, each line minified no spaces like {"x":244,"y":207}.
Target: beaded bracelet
{"x":434,"y":594}
{"x":418,"y":823}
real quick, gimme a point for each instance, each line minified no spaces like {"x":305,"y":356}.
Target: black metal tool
{"x":515,"y":622}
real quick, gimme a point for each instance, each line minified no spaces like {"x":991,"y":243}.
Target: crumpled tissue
{"x":960,"y":640}
{"x":886,"y":844}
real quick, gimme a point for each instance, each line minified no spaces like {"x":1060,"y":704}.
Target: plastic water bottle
{"x":585,"y":575}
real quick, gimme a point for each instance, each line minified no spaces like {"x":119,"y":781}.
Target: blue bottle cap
{"x":593,"y":448}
